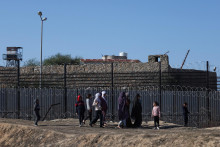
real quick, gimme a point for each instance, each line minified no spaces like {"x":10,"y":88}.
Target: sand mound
{"x":19,"y":135}
{"x":57,"y":134}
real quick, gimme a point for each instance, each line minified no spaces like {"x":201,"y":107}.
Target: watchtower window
{"x":157,"y":59}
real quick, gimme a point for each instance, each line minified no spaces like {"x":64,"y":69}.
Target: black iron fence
{"x":203,"y":104}
{"x":59,"y":90}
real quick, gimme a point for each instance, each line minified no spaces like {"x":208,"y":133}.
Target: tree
{"x":60,"y":59}
{"x":32,"y":62}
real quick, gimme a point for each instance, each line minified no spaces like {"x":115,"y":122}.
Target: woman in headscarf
{"x":122,"y":110}
{"x":98,"y":110}
{"x":80,"y":109}
{"x":127,"y":111}
{"x":136,"y":113}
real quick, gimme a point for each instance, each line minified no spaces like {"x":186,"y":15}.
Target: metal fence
{"x":203,"y":104}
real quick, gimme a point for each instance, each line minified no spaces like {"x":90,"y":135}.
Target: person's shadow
{"x":170,"y":126}
{"x":55,"y":125}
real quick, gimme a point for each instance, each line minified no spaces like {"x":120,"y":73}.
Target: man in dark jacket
{"x":185,"y":114}
{"x":36,"y":111}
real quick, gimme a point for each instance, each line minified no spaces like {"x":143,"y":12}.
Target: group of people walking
{"x":101,"y":107}
{"x":124,"y":116}
{"x":100,"y":104}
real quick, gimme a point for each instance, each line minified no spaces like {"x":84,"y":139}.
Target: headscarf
{"x":78,"y":97}
{"x":137,"y":108}
{"x":97,"y":95}
{"x":103,"y":93}
{"x":121,"y":106}
{"x":104,"y":102}
{"x":136,"y":99}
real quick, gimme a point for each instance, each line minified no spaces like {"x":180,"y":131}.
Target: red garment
{"x":78,"y":99}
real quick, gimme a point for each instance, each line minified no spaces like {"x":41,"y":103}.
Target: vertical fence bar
{"x":160,"y":86}
{"x":207,"y":94}
{"x":112,"y":88}
{"x":65,"y":92}
{"x":6,"y":101}
{"x":198,"y":108}
{"x":174,"y":106}
{"x":18,"y":89}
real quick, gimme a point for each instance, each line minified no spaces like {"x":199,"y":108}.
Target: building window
{"x":157,"y":59}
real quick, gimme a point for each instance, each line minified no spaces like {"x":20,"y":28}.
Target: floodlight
{"x":44,"y":19}
{"x":39,"y":13}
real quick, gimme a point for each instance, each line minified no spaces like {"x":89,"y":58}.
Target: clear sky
{"x":91,"y":28}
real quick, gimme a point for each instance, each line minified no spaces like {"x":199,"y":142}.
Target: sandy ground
{"x":66,"y":132}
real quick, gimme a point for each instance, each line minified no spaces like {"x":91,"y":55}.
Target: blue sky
{"x":91,"y":28}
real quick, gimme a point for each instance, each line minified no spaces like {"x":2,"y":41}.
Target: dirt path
{"x":66,"y":132}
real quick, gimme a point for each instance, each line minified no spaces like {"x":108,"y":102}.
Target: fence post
{"x":18,"y":89}
{"x":198,"y":110}
{"x":174,"y":107}
{"x":112,"y":88}
{"x":207,"y":86}
{"x":160,"y":86}
{"x":65,"y":92}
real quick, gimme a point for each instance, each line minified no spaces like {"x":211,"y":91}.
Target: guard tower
{"x":13,"y":56}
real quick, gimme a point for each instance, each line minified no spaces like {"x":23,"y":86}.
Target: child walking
{"x":80,"y":109}
{"x":156,"y":114}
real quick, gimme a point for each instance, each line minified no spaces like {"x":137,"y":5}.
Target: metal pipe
{"x":41,"y":53}
{"x":41,"y":47}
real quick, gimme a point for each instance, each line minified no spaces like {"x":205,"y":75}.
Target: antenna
{"x":166,"y":52}
{"x":185,"y":59}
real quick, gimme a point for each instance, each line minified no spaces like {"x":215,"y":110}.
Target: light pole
{"x":42,"y":20}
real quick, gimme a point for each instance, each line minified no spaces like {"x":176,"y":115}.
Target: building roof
{"x":108,"y":60}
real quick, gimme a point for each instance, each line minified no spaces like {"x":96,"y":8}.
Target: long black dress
{"x":127,"y":108}
{"x":136,"y":113}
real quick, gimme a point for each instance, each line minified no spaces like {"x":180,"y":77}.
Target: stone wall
{"x":96,"y":68}
{"x":132,"y":74}
{"x":151,"y":66}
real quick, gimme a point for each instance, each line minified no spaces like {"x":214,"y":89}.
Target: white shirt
{"x":97,"y":104}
